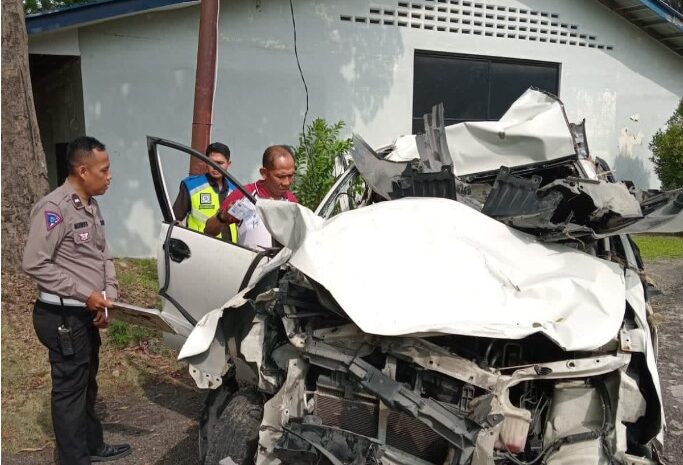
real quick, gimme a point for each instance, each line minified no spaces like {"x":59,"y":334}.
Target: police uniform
{"x":67,"y":255}
{"x":198,"y":200}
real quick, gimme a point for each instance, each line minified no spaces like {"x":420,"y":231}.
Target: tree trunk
{"x":24,"y":172}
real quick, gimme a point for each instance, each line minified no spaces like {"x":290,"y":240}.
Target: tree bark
{"x":24,"y":172}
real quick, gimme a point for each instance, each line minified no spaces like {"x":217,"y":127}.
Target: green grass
{"x":138,"y":272}
{"x":138,"y":285}
{"x":659,"y":247}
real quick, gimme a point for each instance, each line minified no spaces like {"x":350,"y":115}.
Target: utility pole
{"x":205,"y":80}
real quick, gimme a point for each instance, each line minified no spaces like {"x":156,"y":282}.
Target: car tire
{"x":214,"y":404}
{"x":235,"y":433}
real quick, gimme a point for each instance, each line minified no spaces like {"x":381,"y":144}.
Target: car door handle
{"x":178,"y":250}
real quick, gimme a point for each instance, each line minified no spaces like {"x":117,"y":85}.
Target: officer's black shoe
{"x":109,"y":452}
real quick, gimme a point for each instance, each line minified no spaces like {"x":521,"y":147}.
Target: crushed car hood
{"x":534,"y":129}
{"x":437,"y":266}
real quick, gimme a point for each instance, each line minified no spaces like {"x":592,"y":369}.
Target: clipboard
{"x":146,"y":317}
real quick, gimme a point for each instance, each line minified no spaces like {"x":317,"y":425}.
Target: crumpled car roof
{"x":432,"y":265}
{"x":534,"y":129}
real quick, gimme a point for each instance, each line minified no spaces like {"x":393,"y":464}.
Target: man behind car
{"x":200,"y":196}
{"x":277,"y":175}
{"x":66,"y":254}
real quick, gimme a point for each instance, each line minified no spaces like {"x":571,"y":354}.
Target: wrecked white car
{"x":465,"y":296}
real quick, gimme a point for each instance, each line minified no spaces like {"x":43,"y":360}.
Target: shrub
{"x":667,"y":151}
{"x":318,"y":147}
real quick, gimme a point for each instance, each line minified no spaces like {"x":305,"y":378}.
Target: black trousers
{"x":78,"y":431}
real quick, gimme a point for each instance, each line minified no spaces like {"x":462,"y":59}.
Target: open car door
{"x":197,"y":273}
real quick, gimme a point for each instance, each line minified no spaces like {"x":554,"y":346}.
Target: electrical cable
{"x":298,"y":63}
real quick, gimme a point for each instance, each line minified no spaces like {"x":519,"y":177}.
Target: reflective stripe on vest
{"x":204,"y":203}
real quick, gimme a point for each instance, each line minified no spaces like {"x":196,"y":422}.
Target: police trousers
{"x":78,"y":431}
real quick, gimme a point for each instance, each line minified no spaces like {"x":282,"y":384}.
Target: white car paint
{"x":434,"y":265}
{"x":534,"y":129}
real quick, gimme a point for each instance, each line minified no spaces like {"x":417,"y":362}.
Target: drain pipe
{"x":205,"y":81}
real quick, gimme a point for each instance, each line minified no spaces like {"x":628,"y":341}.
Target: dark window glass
{"x":474,"y":88}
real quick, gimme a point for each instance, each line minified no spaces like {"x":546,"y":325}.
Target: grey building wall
{"x":138,"y":78}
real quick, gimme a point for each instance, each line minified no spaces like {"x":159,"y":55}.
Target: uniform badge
{"x":205,"y":199}
{"x":76,"y":201}
{"x":84,"y":236}
{"x":52,"y":219}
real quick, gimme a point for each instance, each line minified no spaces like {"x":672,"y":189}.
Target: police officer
{"x":201,"y":195}
{"x":67,"y":255}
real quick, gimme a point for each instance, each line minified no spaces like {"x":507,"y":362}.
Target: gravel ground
{"x":162,"y":424}
{"x":668,"y":275}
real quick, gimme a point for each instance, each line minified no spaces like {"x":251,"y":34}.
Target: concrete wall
{"x":138,"y":78}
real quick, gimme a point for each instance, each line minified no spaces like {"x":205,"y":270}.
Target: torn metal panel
{"x":594,"y":202}
{"x":572,"y":208}
{"x":207,"y":368}
{"x":379,"y":174}
{"x":578,"y":131}
{"x":534,"y":129}
{"x":432,"y":146}
{"x":518,"y":202}
{"x":288,"y":402}
{"x":414,"y":182}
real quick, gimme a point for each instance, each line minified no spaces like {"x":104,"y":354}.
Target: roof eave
{"x":95,"y":12}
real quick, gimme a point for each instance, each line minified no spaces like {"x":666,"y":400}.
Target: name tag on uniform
{"x":81,"y":234}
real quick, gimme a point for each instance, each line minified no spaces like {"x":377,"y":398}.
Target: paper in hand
{"x":243,"y":210}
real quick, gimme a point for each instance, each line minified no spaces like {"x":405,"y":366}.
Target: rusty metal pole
{"x":205,"y":80}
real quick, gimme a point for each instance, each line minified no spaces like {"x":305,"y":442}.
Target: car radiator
{"x":361,"y":416}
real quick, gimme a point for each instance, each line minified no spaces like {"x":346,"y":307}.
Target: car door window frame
{"x":165,"y":204}
{"x":158,"y":174}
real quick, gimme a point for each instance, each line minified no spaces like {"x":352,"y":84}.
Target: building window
{"x":475,"y":88}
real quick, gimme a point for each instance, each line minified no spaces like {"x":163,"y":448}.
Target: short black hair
{"x":220,"y":148}
{"x":80,"y":149}
{"x":276,"y":151}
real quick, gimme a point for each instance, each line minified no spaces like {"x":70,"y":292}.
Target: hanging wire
{"x":298,"y":63}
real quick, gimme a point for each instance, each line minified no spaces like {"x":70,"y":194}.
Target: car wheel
{"x":235,"y":433}
{"x":214,"y":404}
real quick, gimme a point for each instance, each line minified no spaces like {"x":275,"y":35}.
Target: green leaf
{"x":667,"y":151}
{"x":318,"y":147}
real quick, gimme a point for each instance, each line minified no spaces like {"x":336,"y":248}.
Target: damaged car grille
{"x":361,"y":417}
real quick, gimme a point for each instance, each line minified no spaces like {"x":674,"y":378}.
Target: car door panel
{"x":207,"y":277}
{"x":197,"y":273}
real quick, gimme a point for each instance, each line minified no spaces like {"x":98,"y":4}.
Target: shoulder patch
{"x":52,"y":219}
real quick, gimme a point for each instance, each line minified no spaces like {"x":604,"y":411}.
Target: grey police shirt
{"x":66,"y":252}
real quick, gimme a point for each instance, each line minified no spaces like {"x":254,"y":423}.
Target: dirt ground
{"x":159,"y":417}
{"x":146,"y":398}
{"x":161,"y":426}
